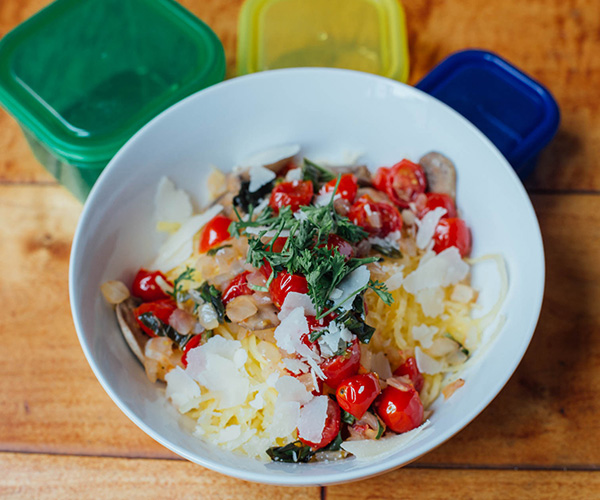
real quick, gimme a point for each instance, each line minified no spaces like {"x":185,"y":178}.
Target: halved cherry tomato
{"x":193,"y":342}
{"x":402,"y":182}
{"x":162,"y":309}
{"x":401,"y":411}
{"x":378,"y":218}
{"x":285,"y":283}
{"x":294,"y":194}
{"x":355,"y":394}
{"x":409,"y":369}
{"x":344,"y":247}
{"x":215,"y":232}
{"x":332,"y":426}
{"x":279,"y":244}
{"x":341,"y":367}
{"x":437,"y":200}
{"x":144,"y":286}
{"x":237,"y":286}
{"x":346,"y":189}
{"x":452,"y":233}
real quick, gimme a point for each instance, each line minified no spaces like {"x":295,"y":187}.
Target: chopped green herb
{"x":381,"y":289}
{"x":213,"y":296}
{"x":213,"y":251}
{"x":296,"y":452}
{"x":316,"y":173}
{"x":380,"y":429}
{"x":186,"y":275}
{"x":388,"y":251}
{"x":348,"y":418}
{"x":335,"y":445}
{"x":246,"y":199}
{"x":161,"y":329}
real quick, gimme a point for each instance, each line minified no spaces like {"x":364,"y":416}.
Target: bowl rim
{"x":371,"y":468}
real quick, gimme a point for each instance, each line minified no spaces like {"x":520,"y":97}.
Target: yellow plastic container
{"x":364,"y":35}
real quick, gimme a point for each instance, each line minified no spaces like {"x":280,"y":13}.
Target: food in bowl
{"x":310,"y":312}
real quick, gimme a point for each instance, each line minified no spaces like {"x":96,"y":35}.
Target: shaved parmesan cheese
{"x":178,"y":246}
{"x":432,"y":301}
{"x":462,"y":293}
{"x":295,"y":365}
{"x":350,"y":286}
{"x":216,"y":366}
{"x":370,"y":449}
{"x":292,"y":301}
{"x":291,"y":389}
{"x":446,"y":268}
{"x":229,"y":433}
{"x":171,"y":204}
{"x":427,"y":364}
{"x":427,"y":226}
{"x":272,"y":155}
{"x":295,"y":174}
{"x":292,"y":327}
{"x":182,"y":389}
{"x":323,"y":199}
{"x":259,"y":176}
{"x":330,"y":341}
{"x":424,"y":334}
{"x":395,"y":281}
{"x":285,"y":418}
{"x":312,"y":419}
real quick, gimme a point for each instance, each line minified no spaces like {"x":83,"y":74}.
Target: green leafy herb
{"x":186,"y":275}
{"x":213,"y":251}
{"x":348,"y":418}
{"x":388,"y":251}
{"x":161,"y":329}
{"x":296,"y":452}
{"x":463,"y":349}
{"x":380,"y":429}
{"x":335,"y":445}
{"x":316,"y":173}
{"x":356,"y":324}
{"x":381,"y":289}
{"x":213,"y":296}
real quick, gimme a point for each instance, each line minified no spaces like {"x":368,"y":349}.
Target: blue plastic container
{"x":518,"y":114}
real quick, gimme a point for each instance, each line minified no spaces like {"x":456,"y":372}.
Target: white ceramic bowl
{"x":327,"y":112}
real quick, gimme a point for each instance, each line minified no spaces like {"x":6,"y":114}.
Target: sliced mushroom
{"x":440,"y":172}
{"x":133,"y":334}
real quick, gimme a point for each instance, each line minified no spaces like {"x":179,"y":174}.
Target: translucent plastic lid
{"x":84,"y":75}
{"x":365,"y":35}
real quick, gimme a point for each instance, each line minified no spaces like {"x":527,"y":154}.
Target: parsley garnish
{"x":381,"y":289}
{"x":316,"y":173}
{"x":212,"y":296}
{"x":177,"y":284}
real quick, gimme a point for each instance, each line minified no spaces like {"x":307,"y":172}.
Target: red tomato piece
{"x":438,"y":200}
{"x":344,"y":247}
{"x":193,"y":342}
{"x":144,"y":286}
{"x":346,"y":189}
{"x":285,"y":283}
{"x":452,"y":233}
{"x":338,"y":368}
{"x":409,"y":369}
{"x":237,"y":286}
{"x":377,"y":218}
{"x":162,"y":309}
{"x":401,"y":411}
{"x":279,"y":244}
{"x":355,"y":394}
{"x":293,"y":194}
{"x":332,"y":426}
{"x":402,"y":182}
{"x":215,"y":232}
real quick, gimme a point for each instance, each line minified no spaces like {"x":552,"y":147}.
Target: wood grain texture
{"x":51,"y":401}
{"x":434,"y":484}
{"x":64,"y":478}
{"x":556,"y":41}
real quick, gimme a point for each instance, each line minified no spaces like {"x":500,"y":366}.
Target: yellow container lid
{"x":364,"y":35}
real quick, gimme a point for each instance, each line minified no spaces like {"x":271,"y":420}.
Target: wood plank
{"x":426,"y":484}
{"x":50,"y":400}
{"x":47,"y":476}
{"x":553,"y":40}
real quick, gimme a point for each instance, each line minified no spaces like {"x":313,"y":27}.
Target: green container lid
{"x":83,"y":76}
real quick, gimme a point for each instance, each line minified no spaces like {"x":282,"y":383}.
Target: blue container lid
{"x":518,"y":114}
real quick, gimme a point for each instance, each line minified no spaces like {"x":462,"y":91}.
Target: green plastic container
{"x":82,"y":76}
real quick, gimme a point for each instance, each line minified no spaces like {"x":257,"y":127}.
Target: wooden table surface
{"x":62,"y":437}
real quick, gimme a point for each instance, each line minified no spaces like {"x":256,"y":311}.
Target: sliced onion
{"x":401,"y":383}
{"x":261,"y":298}
{"x":208,"y":316}
{"x":241,"y":308}
{"x":256,"y":278}
{"x":182,"y":321}
{"x":452,"y":388}
{"x":114,"y":292}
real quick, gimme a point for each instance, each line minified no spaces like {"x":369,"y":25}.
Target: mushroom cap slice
{"x":440,"y":172}
{"x":134,"y":336}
